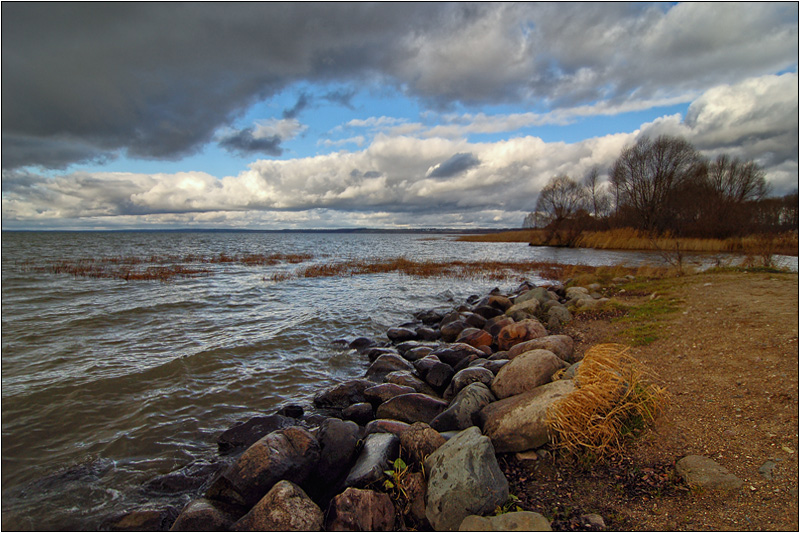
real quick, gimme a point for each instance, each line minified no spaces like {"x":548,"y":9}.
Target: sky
{"x":388,"y":115}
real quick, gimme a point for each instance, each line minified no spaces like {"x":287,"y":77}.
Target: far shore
{"x":634,"y":240}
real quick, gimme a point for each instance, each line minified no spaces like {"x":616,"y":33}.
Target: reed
{"x":614,"y":400}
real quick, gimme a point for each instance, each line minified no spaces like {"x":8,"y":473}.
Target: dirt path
{"x":729,"y":358}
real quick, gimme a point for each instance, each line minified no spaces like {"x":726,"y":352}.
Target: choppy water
{"x":108,"y":383}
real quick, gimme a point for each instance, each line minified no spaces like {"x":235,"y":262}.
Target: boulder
{"x":452,"y":354}
{"x":344,"y":394}
{"x":361,"y":510}
{"x":429,"y":317}
{"x":284,"y":508}
{"x":474,"y":320}
{"x":380,"y":393}
{"x":463,"y":479}
{"x":519,"y":332}
{"x":362,"y":344}
{"x":468,"y":360}
{"x":427,"y":334}
{"x":464,"y":410}
{"x":577,"y":293}
{"x":495,"y":325}
{"x":518,"y":521}
{"x":408,"y":379}
{"x":451,"y":330}
{"x":142,"y":519}
{"x":705,"y":473}
{"x":404,"y":347}
{"x":526,"y":372}
{"x":374,"y":353}
{"x":204,"y":515}
{"x":385,"y":364}
{"x":464,"y":377}
{"x":488,"y":312}
{"x":378,"y":450}
{"x":414,"y":407}
{"x":493,"y":365}
{"x":523,"y":310}
{"x":383,"y":425}
{"x":558,"y":314}
{"x":291,"y":454}
{"x":519,"y":422}
{"x":360,"y":413}
{"x":498,"y":301}
{"x":417,"y":353}
{"x":244,"y":434}
{"x":417,"y":489}
{"x":438,"y":375}
{"x":338,"y":443}
{"x":419,"y":441}
{"x":561,"y":345}
{"x":475,"y":337}
{"x":398,"y":335}
{"x":292,"y":410}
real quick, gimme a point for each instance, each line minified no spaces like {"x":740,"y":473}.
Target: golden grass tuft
{"x":614,"y":399}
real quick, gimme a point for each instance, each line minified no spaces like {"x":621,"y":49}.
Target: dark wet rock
{"x":493,"y":365}
{"x":429,"y":317}
{"x":452,"y":316}
{"x":360,"y":413}
{"x":411,"y":408}
{"x":244,"y":434}
{"x":519,"y":423}
{"x":286,"y":507}
{"x":419,"y":441}
{"x":475,"y":337}
{"x":385,"y":391}
{"x":707,"y":474}
{"x":464,"y":410}
{"x":338,"y":443}
{"x":452,"y":354}
{"x":361,"y":510}
{"x":343,"y":394}
{"x":374,"y":353}
{"x":495,"y":325}
{"x":561,"y":345}
{"x":463,"y":479}
{"x":488,"y":312}
{"x":520,"y":332}
{"x":398,"y":335}
{"x":417,"y":353}
{"x":417,"y":489}
{"x":291,"y":454}
{"x":385,"y":425}
{"x":378,"y":450}
{"x":438,"y":375}
{"x":468,"y":360}
{"x":408,"y":379}
{"x":405,"y":347}
{"x":385,"y":364}
{"x":428,"y":334}
{"x":526,"y":372}
{"x":292,"y":410}
{"x":362,"y":344}
{"x":143,"y":519}
{"x":465,"y":377}
{"x":451,"y":330}
{"x":204,"y":515}
{"x":474,"y":320}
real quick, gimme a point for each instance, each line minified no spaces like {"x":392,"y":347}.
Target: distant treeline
{"x":665,"y":186}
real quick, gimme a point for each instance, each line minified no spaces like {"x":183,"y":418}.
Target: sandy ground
{"x":729,"y":359}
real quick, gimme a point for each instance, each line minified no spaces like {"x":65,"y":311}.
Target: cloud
{"x":136,"y":79}
{"x":265,"y":138}
{"x":303,"y":101}
{"x":453,"y":166}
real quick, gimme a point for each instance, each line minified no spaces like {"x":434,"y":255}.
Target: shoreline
{"x":381,"y":354}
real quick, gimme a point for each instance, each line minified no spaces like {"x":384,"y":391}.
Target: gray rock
{"x":699,"y":471}
{"x":284,"y":508}
{"x":380,"y":393}
{"x":523,"y":310}
{"x":519,"y":423}
{"x":385,"y":364}
{"x":408,"y":379}
{"x":594,"y":521}
{"x":561,"y":345}
{"x":419,"y":441}
{"x":417,"y":353}
{"x":395,"y":427}
{"x":374,"y":353}
{"x":559,"y":313}
{"x":379,"y":448}
{"x":398,"y":335}
{"x":463,"y":479}
{"x":246,"y":433}
{"x":452,"y":354}
{"x":463,"y":411}
{"x":540,"y":294}
{"x":338,"y":442}
{"x":519,"y":521}
{"x":526,"y":372}
{"x":451,"y":330}
{"x":411,"y":408}
{"x":766,"y":469}
{"x":464,"y":377}
{"x":361,"y":510}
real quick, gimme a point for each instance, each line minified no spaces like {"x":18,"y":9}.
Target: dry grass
{"x":614,"y":399}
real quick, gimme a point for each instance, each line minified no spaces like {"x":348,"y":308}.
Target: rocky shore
{"x":414,"y":442}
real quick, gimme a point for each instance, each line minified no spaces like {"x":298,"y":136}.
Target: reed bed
{"x":614,"y":399}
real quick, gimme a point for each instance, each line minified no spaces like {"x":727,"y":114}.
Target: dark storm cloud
{"x":303,"y":101}
{"x":157,"y":80}
{"x":454,"y":165}
{"x":243,"y":142}
{"x":342,"y":97}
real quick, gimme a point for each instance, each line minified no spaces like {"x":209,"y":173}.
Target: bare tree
{"x":647,"y":175}
{"x":560,"y":201}
{"x":598,"y":198}
{"x":737,"y":181}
